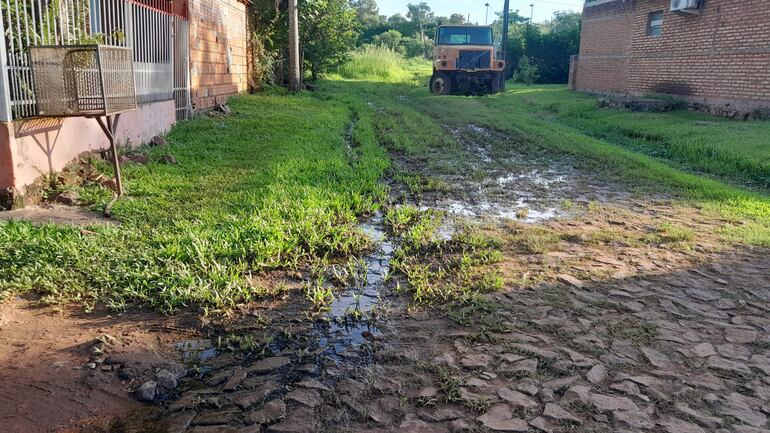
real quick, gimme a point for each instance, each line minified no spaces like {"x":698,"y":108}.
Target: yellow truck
{"x":465,"y":61}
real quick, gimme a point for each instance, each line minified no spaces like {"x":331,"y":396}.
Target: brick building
{"x":715,"y":55}
{"x":218,"y":50}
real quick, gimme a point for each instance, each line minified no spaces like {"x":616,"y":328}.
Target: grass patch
{"x":694,"y":142}
{"x":269,"y":187}
{"x":381,"y":64}
{"x":640,"y":333}
{"x":438,"y":269}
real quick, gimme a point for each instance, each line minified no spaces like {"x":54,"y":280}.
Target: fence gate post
{"x":5,"y":94}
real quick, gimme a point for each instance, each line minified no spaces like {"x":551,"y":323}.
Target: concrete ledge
{"x":728,"y":110}
{"x":36,"y":148}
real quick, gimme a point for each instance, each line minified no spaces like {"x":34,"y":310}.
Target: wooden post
{"x":504,"y":42}
{"x":295,"y":72}
{"x":109,"y":126}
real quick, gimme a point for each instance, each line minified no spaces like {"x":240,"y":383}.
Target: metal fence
{"x":147,"y":26}
{"x":181,"y":54}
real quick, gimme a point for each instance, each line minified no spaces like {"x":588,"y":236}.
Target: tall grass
{"x":381,"y":64}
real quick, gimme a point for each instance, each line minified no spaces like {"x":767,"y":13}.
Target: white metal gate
{"x":157,"y":30}
{"x":182,"y":69}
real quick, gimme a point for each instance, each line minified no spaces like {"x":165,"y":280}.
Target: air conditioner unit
{"x":685,"y":7}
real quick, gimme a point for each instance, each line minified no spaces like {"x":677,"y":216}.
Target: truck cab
{"x":464,"y":60}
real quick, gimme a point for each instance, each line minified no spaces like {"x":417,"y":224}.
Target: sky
{"x":543,"y":9}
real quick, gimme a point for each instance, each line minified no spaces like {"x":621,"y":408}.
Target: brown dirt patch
{"x":54,"y":213}
{"x":45,"y":384}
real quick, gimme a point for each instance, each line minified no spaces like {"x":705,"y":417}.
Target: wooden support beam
{"x":109,"y":125}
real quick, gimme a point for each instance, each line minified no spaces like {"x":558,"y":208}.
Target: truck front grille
{"x":474,"y":59}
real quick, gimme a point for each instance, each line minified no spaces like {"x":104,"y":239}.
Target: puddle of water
{"x":519,"y":210}
{"x":197,"y":351}
{"x":349,"y":321}
{"x":522,"y":186}
{"x":544,"y":178}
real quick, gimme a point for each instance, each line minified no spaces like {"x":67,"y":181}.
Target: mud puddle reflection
{"x":503,"y":180}
{"x":351,"y":319}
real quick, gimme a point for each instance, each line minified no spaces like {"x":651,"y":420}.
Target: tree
{"x":527,"y":72}
{"x":390,"y":39}
{"x":328,"y":33}
{"x":564,"y":23}
{"x":456,"y":19}
{"x":422,"y":15}
{"x":548,"y":46}
{"x":419,"y":12}
{"x":396,"y":19}
{"x":367,"y":12}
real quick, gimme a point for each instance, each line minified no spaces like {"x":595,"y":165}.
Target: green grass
{"x":747,"y":210}
{"x":270,"y":187}
{"x":381,"y":65}
{"x":276,"y":185}
{"x":738,"y":152}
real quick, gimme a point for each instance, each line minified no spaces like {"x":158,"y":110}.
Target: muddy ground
{"x":621,"y":312}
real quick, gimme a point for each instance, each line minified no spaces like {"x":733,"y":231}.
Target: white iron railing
{"x":147,"y":26}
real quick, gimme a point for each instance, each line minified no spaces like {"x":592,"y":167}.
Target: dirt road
{"x":504,"y":284}
{"x":611,"y":323}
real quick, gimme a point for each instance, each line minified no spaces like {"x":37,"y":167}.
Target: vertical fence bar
{"x":5,"y":94}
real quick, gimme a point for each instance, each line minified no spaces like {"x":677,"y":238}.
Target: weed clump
{"x":440,"y":268}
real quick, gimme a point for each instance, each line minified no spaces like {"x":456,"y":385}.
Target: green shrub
{"x":379,"y":64}
{"x":527,"y":72}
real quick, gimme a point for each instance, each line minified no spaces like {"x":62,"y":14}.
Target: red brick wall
{"x":722,"y":55}
{"x":605,"y":46}
{"x":218,"y":40}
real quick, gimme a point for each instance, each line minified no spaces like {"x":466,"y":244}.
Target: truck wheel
{"x":441,"y":83}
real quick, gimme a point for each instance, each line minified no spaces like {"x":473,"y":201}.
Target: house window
{"x":655,"y":24}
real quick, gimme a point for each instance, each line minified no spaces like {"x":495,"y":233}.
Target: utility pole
{"x":486,"y":18}
{"x":504,"y":42}
{"x":295,"y":72}
{"x":531,"y":12}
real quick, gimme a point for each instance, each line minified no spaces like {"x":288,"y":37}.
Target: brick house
{"x":715,"y":56}
{"x":218,"y":51}
{"x":187,"y":55}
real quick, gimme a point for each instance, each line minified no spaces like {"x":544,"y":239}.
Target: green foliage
{"x":526,"y":72}
{"x":328,"y":30}
{"x":367,"y":12}
{"x":380,"y":64}
{"x":415,"y":47}
{"x":328,"y":33}
{"x":390,"y":39}
{"x":548,"y":45}
{"x":734,"y":151}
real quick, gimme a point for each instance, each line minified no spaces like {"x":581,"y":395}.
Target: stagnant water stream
{"x":350,"y":319}
{"x":331,"y":343}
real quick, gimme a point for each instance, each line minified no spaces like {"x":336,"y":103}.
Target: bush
{"x":414,"y":47}
{"x":527,"y":72}
{"x":390,"y":39}
{"x":376,"y":64}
